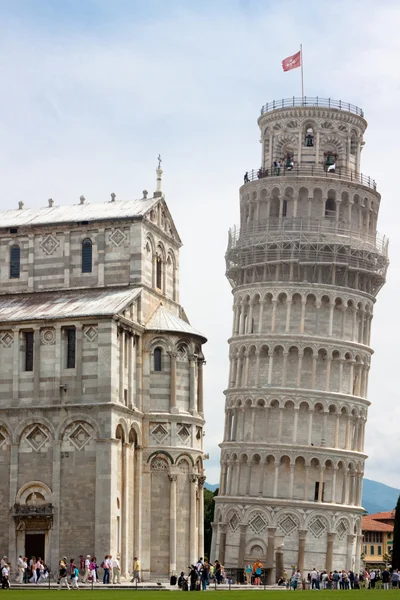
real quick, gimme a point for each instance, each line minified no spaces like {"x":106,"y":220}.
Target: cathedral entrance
{"x":34,"y":544}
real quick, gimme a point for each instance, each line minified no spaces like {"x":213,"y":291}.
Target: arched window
{"x":309,"y":136}
{"x":158,"y":359}
{"x":15,"y":262}
{"x":330,"y":207}
{"x":87,"y":256}
{"x":159,"y":273}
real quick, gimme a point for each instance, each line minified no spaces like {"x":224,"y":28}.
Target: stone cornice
{"x":298,"y":339}
{"x":280,"y":503}
{"x":301,"y":394}
{"x":310,"y":288}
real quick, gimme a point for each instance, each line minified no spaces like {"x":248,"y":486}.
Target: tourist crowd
{"x":34,"y":570}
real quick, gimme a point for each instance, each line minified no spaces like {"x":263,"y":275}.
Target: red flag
{"x":292,"y":62}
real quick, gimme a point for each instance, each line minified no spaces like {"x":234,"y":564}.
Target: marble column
{"x":333,"y":495}
{"x":242,"y":545}
{"x":131,"y":369}
{"x":329,"y":552}
{"x":125,"y":542}
{"x":200,"y":387}
{"x":192,"y":385}
{"x":350,"y":543}
{"x":357,"y":564}
{"x":201,"y":481}
{"x":301,"y":552}
{"x":172,"y":523}
{"x":193,"y":520}
{"x":121,"y":364}
{"x":275,"y":492}
{"x":260,"y":317}
{"x":222,"y":542}
{"x":306,"y":476}
{"x":214,"y":527}
{"x":138,"y":457}
{"x":173,"y":382}
{"x":270,"y":555}
{"x":321,"y":484}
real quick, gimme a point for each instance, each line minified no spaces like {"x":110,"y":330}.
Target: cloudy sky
{"x":93,"y":90}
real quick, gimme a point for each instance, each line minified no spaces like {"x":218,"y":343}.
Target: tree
{"x":209,"y":507}
{"x":396,"y":538}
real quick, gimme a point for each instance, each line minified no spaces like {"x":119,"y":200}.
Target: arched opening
{"x":15,"y":262}
{"x":309,"y":135}
{"x":330,"y":207}
{"x":87,"y":256}
{"x":159,"y":272}
{"x":158,"y":359}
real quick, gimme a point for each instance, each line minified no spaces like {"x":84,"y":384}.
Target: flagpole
{"x":302,"y":78}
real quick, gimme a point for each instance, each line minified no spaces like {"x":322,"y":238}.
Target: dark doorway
{"x":34,"y":545}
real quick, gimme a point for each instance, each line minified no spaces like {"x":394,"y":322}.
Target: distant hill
{"x":211,"y":486}
{"x":376,"y":497}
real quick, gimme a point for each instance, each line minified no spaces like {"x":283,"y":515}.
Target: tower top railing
{"x":308,"y":101}
{"x":290,"y":228}
{"x":306,"y":170}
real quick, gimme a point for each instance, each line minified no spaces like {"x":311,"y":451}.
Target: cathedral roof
{"x":163,"y":320}
{"x":61,"y":305}
{"x":75,"y":213}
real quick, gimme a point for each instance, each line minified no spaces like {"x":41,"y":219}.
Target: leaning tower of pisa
{"x":305,"y":265}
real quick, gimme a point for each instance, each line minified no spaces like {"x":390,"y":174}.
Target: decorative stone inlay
{"x":159,"y":433}
{"x":80,"y":437}
{"x":317,"y":527}
{"x":182,"y":352}
{"x":256,"y":551}
{"x":341,"y":530}
{"x":234,"y":522}
{"x":37,"y":438}
{"x":288,"y":525}
{"x":158,"y":464}
{"x":48,"y":336}
{"x":257,"y":523}
{"x":184,"y":434}
{"x":90,"y":333}
{"x":7,"y":339}
{"x":117,"y":237}
{"x":49,"y":244}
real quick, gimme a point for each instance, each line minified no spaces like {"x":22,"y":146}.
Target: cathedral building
{"x":101,"y":387}
{"x":306,"y":265}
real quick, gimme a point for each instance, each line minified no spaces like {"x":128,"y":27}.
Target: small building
{"x":378,"y":537}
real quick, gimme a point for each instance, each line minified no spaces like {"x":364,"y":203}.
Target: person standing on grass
{"x":385,"y":579}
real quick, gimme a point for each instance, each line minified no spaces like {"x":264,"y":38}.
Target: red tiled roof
{"x":389,"y":514}
{"x":369,"y":524}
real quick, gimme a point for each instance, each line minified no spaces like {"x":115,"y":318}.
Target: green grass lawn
{"x":222,"y":594}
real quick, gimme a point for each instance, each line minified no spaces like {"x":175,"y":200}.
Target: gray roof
{"x":120,"y":209}
{"x":62,"y":305}
{"x":163,"y":320}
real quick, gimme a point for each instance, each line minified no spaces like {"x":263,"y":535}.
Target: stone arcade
{"x":101,"y":387}
{"x":305,"y":265}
